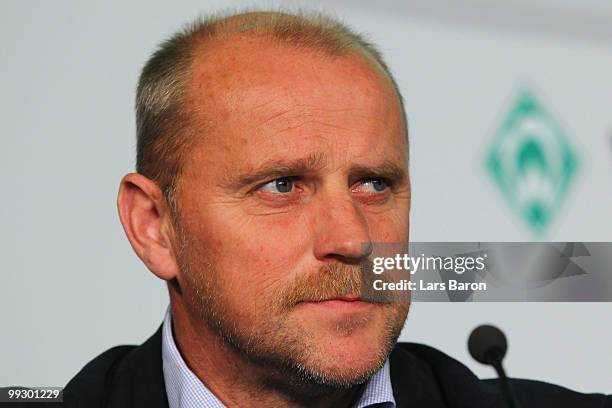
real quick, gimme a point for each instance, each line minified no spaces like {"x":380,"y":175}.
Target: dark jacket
{"x":131,"y":376}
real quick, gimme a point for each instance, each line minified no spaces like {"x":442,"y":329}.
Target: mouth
{"x":341,"y":303}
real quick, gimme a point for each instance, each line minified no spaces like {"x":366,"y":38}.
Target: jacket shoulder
{"x":447,"y":382}
{"x":88,"y":387}
{"x":124,"y":376}
{"x":538,"y":393}
{"x":458,"y":386}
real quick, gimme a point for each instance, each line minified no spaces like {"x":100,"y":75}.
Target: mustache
{"x":331,"y":281}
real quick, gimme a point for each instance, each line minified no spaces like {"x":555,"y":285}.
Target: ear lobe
{"x":143,"y":212}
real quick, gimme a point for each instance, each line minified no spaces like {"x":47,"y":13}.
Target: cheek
{"x":257,"y":257}
{"x":391,"y":226}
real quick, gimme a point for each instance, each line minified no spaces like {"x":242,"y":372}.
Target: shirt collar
{"x":185,"y":390}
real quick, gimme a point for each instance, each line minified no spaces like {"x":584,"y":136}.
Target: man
{"x":272,"y":152}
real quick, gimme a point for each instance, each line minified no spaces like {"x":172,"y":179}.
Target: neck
{"x":235,"y":380}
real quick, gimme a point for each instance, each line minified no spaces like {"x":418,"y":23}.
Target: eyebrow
{"x":312,"y":163}
{"x":388,"y":170}
{"x":278,"y":168}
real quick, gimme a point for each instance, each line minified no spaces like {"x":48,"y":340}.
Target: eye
{"x":279,"y":185}
{"x":373,"y":185}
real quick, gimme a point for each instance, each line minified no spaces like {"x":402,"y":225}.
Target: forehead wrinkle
{"x":300,"y":115}
{"x":322,"y":124}
{"x":275,"y":116}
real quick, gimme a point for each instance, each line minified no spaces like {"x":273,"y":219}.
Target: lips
{"x":348,"y":298}
{"x":339,"y":304}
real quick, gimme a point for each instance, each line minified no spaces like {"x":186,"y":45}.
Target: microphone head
{"x":487,"y":344}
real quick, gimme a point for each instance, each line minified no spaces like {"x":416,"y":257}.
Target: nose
{"x":342,"y":231}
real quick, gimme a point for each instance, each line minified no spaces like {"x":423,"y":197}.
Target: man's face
{"x":301,"y":162}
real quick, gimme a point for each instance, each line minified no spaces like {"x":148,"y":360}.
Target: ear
{"x":145,"y":218}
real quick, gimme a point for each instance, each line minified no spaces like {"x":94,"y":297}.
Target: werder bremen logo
{"x":532,"y":161}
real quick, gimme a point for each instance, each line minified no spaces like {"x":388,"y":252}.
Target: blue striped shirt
{"x":185,"y":390}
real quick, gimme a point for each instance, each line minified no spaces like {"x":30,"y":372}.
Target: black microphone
{"x":487,"y":345}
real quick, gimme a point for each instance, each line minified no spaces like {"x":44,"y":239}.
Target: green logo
{"x":532,"y":161}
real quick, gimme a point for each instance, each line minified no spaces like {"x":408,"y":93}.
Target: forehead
{"x":250,"y":94}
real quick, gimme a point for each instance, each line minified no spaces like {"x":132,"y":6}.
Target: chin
{"x":347,"y":359}
{"x":346,"y":367}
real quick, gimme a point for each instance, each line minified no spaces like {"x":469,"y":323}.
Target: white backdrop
{"x":70,"y":285}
